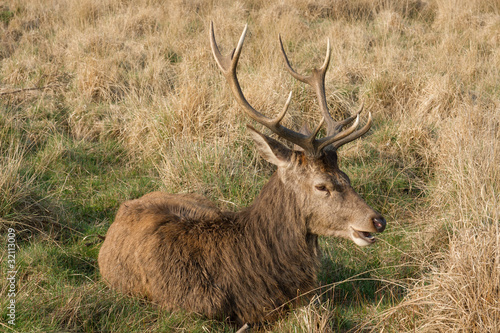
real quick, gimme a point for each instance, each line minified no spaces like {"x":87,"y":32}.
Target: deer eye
{"x":322,"y":188}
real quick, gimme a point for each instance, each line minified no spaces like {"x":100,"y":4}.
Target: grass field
{"x":104,"y":101}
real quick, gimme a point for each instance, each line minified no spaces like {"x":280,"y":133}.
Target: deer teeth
{"x":365,"y":235}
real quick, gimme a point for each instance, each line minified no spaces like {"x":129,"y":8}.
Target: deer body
{"x":222,"y":264}
{"x":181,"y":251}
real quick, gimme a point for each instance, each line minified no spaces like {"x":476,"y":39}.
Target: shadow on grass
{"x":351,"y":287}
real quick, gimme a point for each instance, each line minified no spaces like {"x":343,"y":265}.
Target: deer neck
{"x":275,"y":219}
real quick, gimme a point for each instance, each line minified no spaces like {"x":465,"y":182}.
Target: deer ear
{"x":271,"y":150}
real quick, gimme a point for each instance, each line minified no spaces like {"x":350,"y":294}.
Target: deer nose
{"x":379,"y":223}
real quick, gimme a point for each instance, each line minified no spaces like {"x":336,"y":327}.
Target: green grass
{"x":128,"y":100}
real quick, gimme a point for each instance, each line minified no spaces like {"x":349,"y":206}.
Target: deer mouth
{"x":363,"y":237}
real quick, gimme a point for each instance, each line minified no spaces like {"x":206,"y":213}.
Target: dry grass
{"x":461,"y":292}
{"x":13,"y":188}
{"x":140,"y":75}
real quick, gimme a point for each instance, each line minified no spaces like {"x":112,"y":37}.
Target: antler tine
{"x":279,"y":117}
{"x":326,"y":63}
{"x":302,"y":78}
{"x":317,"y":81}
{"x":324,"y":142}
{"x":228,"y":67}
{"x":355,"y":135}
{"x":346,"y":121}
{"x":223,"y":62}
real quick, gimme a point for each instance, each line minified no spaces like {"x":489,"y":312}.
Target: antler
{"x":228,"y":67}
{"x":309,"y":143}
{"x":334,"y":134}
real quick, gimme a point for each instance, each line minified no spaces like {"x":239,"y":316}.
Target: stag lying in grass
{"x":182,"y":252}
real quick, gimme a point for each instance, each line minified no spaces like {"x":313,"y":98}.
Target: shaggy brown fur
{"x":180,"y":251}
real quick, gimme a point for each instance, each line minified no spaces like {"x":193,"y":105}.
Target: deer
{"x":180,"y":251}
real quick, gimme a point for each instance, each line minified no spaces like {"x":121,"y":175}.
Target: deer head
{"x":327,"y":201}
